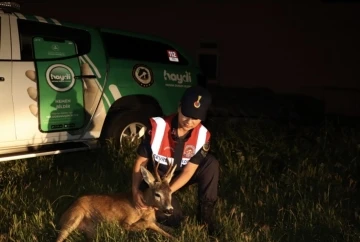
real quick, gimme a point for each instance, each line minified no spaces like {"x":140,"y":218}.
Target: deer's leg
{"x":136,"y":226}
{"x":165,"y":227}
{"x":156,"y":228}
{"x":68,"y":226}
{"x":145,"y":224}
{"x":62,"y":235}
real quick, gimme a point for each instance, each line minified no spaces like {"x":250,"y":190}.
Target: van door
{"x":7,"y":126}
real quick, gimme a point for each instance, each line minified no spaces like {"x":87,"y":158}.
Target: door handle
{"x":2,"y":79}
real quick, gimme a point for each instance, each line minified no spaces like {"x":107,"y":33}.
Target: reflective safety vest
{"x":162,"y":144}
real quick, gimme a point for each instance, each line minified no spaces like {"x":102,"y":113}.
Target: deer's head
{"x":159,"y":193}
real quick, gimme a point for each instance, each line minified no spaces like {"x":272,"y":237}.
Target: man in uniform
{"x":185,"y":141}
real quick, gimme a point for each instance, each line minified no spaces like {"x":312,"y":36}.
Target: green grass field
{"x":277,"y":184}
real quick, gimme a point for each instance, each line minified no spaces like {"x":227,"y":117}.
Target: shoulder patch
{"x":206,"y":146}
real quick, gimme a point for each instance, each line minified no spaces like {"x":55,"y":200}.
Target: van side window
{"x":126,"y":47}
{"x":29,"y":29}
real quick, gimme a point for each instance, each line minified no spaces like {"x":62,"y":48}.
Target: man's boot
{"x":206,"y":216}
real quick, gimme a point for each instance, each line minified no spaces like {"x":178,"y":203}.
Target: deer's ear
{"x":148,"y":177}
{"x":169,"y":177}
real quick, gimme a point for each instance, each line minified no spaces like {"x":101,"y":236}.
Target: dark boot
{"x":206,"y":216}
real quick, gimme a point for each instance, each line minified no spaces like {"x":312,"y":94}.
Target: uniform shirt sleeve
{"x":202,"y":153}
{"x":144,"y":148}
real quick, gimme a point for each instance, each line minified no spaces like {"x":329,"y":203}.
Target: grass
{"x":277,"y":184}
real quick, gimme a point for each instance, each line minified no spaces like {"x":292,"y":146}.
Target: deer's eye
{"x":157,"y":195}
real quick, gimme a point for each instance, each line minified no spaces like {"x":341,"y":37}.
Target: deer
{"x":89,"y":210}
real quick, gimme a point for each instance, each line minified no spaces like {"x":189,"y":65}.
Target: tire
{"x":119,"y":129}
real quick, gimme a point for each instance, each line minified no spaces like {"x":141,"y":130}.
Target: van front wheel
{"x":124,"y":130}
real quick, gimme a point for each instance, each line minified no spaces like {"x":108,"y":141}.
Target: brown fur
{"x":87,"y":211}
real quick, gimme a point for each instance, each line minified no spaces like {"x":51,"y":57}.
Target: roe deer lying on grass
{"x":87,"y":211}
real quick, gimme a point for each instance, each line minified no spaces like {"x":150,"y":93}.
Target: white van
{"x":65,"y":86}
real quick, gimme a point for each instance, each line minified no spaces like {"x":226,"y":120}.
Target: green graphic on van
{"x":61,"y":96}
{"x":143,"y":75}
{"x":60,"y":77}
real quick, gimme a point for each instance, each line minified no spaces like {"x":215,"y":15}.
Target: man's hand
{"x":32,"y":92}
{"x":184,"y":177}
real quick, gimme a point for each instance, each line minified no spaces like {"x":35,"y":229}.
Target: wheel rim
{"x":131,"y":136}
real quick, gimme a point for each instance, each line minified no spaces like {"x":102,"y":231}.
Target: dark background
{"x":298,"y":47}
